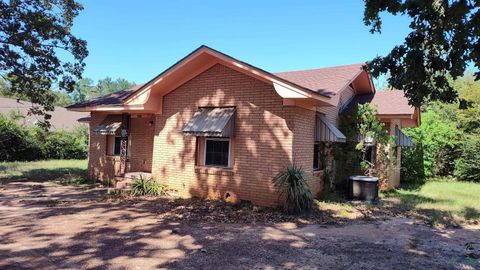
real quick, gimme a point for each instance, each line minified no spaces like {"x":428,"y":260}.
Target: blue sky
{"x":137,"y":40}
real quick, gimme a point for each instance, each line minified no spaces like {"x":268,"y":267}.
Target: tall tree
{"x":444,"y":40}
{"x":85,"y":88}
{"x":33,"y":36}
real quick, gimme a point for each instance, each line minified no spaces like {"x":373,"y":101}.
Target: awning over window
{"x":326,"y":131}
{"x":402,"y":139}
{"x":214,"y":122}
{"x":109,"y":125}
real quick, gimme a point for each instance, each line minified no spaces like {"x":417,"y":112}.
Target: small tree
{"x":363,"y":130}
{"x":371,"y":131}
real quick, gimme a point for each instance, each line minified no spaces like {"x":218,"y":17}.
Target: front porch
{"x":126,"y":148}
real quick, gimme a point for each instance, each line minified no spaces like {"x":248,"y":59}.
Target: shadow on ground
{"x":60,"y":227}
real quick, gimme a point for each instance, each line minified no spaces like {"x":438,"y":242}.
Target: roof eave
{"x":240,"y":64}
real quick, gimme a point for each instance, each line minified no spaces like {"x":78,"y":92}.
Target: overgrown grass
{"x":439,"y":200}
{"x":72,"y":172}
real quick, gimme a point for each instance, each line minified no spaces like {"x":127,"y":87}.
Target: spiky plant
{"x":294,"y":191}
{"x":143,"y":186}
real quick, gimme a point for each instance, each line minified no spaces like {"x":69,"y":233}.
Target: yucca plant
{"x":147,"y":187}
{"x":294,"y":191}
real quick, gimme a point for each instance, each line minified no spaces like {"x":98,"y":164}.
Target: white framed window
{"x":217,"y":152}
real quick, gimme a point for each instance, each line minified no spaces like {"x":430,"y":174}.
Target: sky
{"x":137,"y":40}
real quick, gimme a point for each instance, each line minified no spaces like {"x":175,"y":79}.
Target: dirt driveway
{"x":45,"y":226}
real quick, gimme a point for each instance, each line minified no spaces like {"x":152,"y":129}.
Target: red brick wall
{"x":100,"y":166}
{"x":266,"y":132}
{"x":303,"y":142}
{"x":104,"y":167}
{"x":263,"y":143}
{"x":141,"y":143}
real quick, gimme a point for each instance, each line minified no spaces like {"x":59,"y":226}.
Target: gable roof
{"x":61,"y":117}
{"x":388,"y":103}
{"x":329,"y":80}
{"x":317,"y":83}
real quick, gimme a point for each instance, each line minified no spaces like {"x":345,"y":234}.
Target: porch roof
{"x":109,"y":125}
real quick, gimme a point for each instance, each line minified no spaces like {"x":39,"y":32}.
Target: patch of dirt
{"x":87,"y":230}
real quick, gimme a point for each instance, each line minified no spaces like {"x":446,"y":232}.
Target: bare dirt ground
{"x":46,"y":226}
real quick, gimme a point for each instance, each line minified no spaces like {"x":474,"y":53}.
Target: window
{"x":319,"y":158}
{"x":217,"y":152}
{"x":114,"y":145}
{"x":370,"y":154}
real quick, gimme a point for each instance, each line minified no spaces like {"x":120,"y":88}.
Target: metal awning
{"x":325,"y":131}
{"x":109,"y":125}
{"x":402,"y":139}
{"x":214,"y":122}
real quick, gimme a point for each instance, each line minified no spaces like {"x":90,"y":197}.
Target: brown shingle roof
{"x":329,"y":80}
{"x":115,"y":98}
{"x":61,"y":117}
{"x":387,"y":102}
{"x":324,"y":81}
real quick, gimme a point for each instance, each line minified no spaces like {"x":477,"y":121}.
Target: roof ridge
{"x":314,"y":69}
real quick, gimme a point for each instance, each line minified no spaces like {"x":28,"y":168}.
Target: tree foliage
{"x":447,"y":139}
{"x":359,"y":126}
{"x":85,"y":89}
{"x":35,"y":40}
{"x":443,"y":41}
{"x":21,"y":143}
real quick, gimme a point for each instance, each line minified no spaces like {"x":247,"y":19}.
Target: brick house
{"x":215,"y":127}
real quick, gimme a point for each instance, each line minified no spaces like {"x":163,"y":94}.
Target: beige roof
{"x":388,"y":102}
{"x":61,"y":117}
{"x":329,"y":80}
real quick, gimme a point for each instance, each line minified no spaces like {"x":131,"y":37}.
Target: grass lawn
{"x":440,"y":200}
{"x":435,"y":202}
{"x":71,"y":171}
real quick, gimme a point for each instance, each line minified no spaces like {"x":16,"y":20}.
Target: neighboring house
{"x":62,"y":119}
{"x":215,"y":127}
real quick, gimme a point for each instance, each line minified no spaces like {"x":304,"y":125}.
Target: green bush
{"x":467,"y":166}
{"x":64,"y":145}
{"x":16,"y":142}
{"x":148,"y":187}
{"x":21,"y":143}
{"x":294,"y":191}
{"x":437,"y":147}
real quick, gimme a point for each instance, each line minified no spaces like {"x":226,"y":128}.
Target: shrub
{"x":437,"y":141}
{"x":64,"y":145}
{"x":16,"y":142}
{"x":21,"y":143}
{"x":294,"y":191}
{"x":148,"y":187}
{"x":467,"y":166}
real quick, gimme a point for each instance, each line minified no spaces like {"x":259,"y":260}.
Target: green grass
{"x":64,"y":171}
{"x":440,"y":199}
{"x":437,"y":201}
